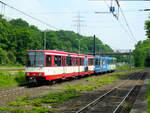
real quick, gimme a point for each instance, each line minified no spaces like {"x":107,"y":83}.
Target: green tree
{"x":3,"y":56}
{"x":17,"y":36}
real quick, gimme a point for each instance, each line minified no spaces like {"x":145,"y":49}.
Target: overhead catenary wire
{"x":132,"y":38}
{"x":126,"y":21}
{"x":121,"y":0}
{"x":126,"y":30}
{"x":42,"y":22}
{"x":86,"y":12}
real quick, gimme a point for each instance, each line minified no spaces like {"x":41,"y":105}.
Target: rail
{"x":101,"y":97}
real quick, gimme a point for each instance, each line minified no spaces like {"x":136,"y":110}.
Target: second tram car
{"x":104,"y":64}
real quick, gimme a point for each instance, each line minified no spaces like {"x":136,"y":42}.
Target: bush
{"x":7,"y":79}
{"x":148,"y":98}
{"x":3,"y":56}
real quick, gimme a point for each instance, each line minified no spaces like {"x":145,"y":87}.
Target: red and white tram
{"x":51,"y":65}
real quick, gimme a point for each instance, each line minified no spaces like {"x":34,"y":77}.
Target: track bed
{"x":106,"y":103}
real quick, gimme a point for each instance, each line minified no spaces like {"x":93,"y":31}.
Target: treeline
{"x":17,"y":36}
{"x":142,"y":49}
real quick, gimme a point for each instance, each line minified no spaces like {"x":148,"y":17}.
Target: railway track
{"x":118,"y":99}
{"x":10,"y":94}
{"x":13,"y":90}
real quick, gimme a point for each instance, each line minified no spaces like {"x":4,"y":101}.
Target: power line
{"x":86,"y":12}
{"x":126,"y":21}
{"x":132,"y":38}
{"x":120,"y":0}
{"x":126,"y":31}
{"x":128,"y":25}
{"x":28,"y":15}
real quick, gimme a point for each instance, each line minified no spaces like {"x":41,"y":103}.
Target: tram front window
{"x":35,"y":59}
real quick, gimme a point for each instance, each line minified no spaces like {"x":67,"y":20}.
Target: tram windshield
{"x":35,"y":59}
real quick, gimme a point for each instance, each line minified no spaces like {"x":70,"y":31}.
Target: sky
{"x":62,"y":14}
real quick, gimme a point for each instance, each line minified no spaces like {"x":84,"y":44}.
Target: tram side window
{"x":76,"y":61}
{"x":48,"y":60}
{"x":57,"y":60}
{"x":99,"y":62}
{"x":73,"y":61}
{"x":69,"y":61}
{"x":63,"y":61}
{"x":111,"y":62}
{"x":106,"y":62}
{"x":96,"y":62}
{"x":91,"y":61}
{"x":80,"y":61}
{"x":103,"y":62}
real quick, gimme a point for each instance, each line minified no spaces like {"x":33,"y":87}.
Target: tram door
{"x":74,"y":64}
{"x":64,"y":66}
{"x":86,"y":64}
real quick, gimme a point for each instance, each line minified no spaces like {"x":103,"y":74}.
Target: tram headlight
{"x":40,"y":74}
{"x":27,"y":74}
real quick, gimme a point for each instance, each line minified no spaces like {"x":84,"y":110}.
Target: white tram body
{"x":51,"y":65}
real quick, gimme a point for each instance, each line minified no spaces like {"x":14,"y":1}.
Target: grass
{"x":26,"y":110}
{"x":6,"y":79}
{"x":95,"y":82}
{"x":48,"y":102}
{"x":128,"y":107}
{"x":127,"y":67}
{"x":11,"y":66}
{"x":148,"y":98}
{"x":124,"y":67}
{"x":39,"y":105}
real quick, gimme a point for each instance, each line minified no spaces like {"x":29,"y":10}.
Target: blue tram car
{"x":104,"y":64}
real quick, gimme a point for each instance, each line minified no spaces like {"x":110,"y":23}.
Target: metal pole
{"x":45,"y":40}
{"x":99,"y":50}
{"x":79,"y":46}
{"x":130,"y":61}
{"x":94,"y":45}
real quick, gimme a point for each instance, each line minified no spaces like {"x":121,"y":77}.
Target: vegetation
{"x":141,"y":53}
{"x":128,"y":106}
{"x":142,"y":49}
{"x":95,"y":82}
{"x":10,"y":66}
{"x":123,"y":67}
{"x":48,"y":102}
{"x":39,"y":105}
{"x":127,"y":67}
{"x":148,"y":98}
{"x":17,"y":36}
{"x":11,"y":80}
